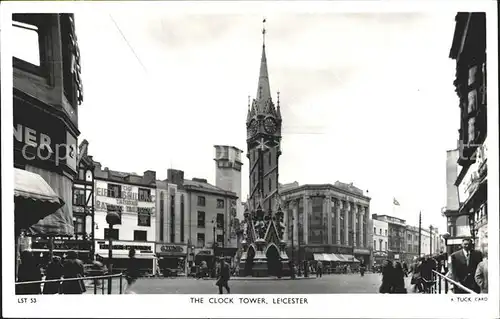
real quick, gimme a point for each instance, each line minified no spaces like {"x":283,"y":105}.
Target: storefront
{"x":171,"y":257}
{"x":41,"y":249}
{"x":363,"y":255}
{"x":379,"y":257}
{"x":144,"y":253}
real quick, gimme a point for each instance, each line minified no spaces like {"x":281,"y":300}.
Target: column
{"x":286,"y":221}
{"x":361,"y":231}
{"x":305,"y":224}
{"x":338,"y":205}
{"x":354,"y":224}
{"x":346,"y":209}
{"x":295,"y":208}
{"x":328,"y":204}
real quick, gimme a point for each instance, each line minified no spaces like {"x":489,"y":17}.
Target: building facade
{"x":380,"y":241}
{"x":47,"y":92}
{"x":327,"y":219}
{"x":396,"y":236}
{"x":133,"y":197}
{"x":469,"y":50}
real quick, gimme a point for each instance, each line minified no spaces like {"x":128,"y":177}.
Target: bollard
{"x":95,"y":286}
{"x":102,"y":286}
{"x":439,"y":284}
{"x":121,"y":284}
{"x":446,"y":286}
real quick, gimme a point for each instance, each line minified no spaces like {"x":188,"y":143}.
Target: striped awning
{"x":34,"y":198}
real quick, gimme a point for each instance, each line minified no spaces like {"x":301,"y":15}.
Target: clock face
{"x":270,"y":125}
{"x":252,"y":128}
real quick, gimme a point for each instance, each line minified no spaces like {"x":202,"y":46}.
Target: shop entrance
{"x":249,"y":261}
{"x":273,"y":261}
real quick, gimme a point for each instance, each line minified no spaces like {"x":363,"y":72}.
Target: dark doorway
{"x":273,"y":261}
{"x":249,"y":261}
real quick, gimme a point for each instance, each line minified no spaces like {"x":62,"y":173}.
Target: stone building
{"x":327,"y":218}
{"x":469,"y":50}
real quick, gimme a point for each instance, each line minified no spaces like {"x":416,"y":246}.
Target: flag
{"x":395,"y":202}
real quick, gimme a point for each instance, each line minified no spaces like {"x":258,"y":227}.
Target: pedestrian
{"x":481,"y":275}
{"x":387,"y":277}
{"x":319,"y":269}
{"x":463,"y":267}
{"x":54,"y":272}
{"x":28,"y":271}
{"x":223,"y":278}
{"x":73,"y":268}
{"x":132,"y":272}
{"x":416,"y":279}
{"x":398,"y":279}
{"x":405,"y":268}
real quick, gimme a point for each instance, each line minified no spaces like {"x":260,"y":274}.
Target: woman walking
{"x":73,"y":268}
{"x":28,"y":271}
{"x":398,"y":284}
{"x":387,"y":278}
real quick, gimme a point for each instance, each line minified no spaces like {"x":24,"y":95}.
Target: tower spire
{"x":263,"y":87}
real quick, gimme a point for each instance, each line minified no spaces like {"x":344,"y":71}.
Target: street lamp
{"x":214,"y":246}
{"x":112,"y":218}
{"x":430,"y":236}
{"x":293,"y":259}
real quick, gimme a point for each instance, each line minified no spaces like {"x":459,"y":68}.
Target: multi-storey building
{"x":47,"y":92}
{"x":133,"y":197}
{"x":413,"y":250}
{"x":396,"y":236}
{"x":380,"y":241}
{"x":469,"y":50}
{"x":327,"y":219}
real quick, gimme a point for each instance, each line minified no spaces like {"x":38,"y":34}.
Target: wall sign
{"x":124,"y":247}
{"x":171,"y":249}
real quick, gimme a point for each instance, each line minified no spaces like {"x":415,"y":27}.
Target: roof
{"x":206,"y":187}
{"x":339,"y":187}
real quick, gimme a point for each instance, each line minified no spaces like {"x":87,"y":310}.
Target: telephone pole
{"x":419,"y":234}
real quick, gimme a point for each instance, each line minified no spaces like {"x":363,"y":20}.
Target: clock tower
{"x":263,"y":248}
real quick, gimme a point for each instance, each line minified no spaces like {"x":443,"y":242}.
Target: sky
{"x":366,"y":98}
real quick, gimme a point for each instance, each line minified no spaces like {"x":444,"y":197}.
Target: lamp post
{"x":293,"y":259}
{"x":430,"y":236}
{"x":112,"y":218}
{"x":214,"y":246}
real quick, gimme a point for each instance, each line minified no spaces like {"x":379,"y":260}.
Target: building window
{"x":201,"y":201}
{"x":220,"y":240}
{"x":409,"y":248}
{"x":26,"y":48}
{"x":375,"y":230}
{"x":162,"y":214}
{"x":385,"y":245}
{"x":386,"y":233}
{"x":111,"y":233}
{"x":115,"y":208}
{"x":140,"y":235}
{"x":79,"y":224}
{"x":200,"y":240}
{"x":380,"y":232}
{"x":270,"y":185}
{"x":300,"y":221}
{"x":375,"y":245}
{"x":220,"y":203}
{"x":79,"y":197}
{"x":144,"y":195}
{"x":143,"y":216}
{"x":182,"y":218}
{"x":201,"y":219}
{"x":172,"y":218}
{"x":316,"y":222}
{"x":114,"y":191}
{"x":220,"y":221}
{"x":380,"y":242}
{"x":270,"y":158}
{"x":409,"y":237}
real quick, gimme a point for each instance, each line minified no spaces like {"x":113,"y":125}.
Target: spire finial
{"x":249,"y":102}
{"x":278,"y":102}
{"x":264,"y":32}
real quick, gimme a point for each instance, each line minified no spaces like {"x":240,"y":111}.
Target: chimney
{"x":374,"y":216}
{"x":149,"y":177}
{"x":175,"y":176}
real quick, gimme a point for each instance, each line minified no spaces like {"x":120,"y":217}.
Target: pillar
{"x":338,"y":207}
{"x":346,"y":209}
{"x":305,"y":223}
{"x":361,"y":230}
{"x":354,"y":224}
{"x":328,"y":205}
{"x":295,"y":208}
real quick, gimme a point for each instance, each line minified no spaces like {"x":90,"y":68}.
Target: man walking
{"x":319,"y":269}
{"x":481,"y":275}
{"x":463,"y":267}
{"x":132,"y":272}
{"x":224,"y":275}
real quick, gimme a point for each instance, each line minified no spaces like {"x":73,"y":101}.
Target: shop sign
{"x":361,"y":251}
{"x":203,"y":251}
{"x":171,"y":249}
{"x":124,"y":247}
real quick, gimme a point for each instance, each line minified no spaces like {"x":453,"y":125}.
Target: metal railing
{"x":97,"y":280}
{"x":440,"y":283}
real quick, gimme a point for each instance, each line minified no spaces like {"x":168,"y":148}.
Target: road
{"x":328,"y":284}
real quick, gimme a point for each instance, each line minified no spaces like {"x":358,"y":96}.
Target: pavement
{"x":328,"y":284}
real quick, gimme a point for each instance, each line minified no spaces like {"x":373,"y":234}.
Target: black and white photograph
{"x":278,"y":156}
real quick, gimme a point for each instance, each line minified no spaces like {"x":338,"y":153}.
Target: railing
{"x":440,"y":283}
{"x":96,"y":281}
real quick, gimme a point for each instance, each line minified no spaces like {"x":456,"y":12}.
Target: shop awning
{"x":318,"y":257}
{"x":34,"y":199}
{"x":333,"y":257}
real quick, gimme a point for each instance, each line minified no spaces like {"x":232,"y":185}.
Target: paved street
{"x":329,"y":284}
